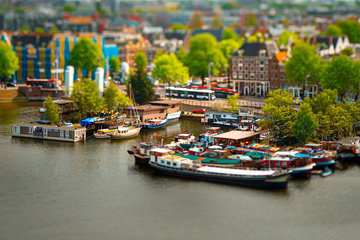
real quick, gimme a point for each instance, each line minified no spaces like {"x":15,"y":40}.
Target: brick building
{"x":251,"y":68}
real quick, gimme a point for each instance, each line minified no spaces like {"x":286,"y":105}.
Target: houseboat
{"x":48,"y":132}
{"x":182,"y":167}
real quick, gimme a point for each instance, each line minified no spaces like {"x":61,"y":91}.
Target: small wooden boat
{"x":125,"y":132}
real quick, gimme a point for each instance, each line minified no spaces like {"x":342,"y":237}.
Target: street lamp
{"x":208,"y":82}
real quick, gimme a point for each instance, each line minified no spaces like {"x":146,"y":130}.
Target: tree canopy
{"x":114,"y":64}
{"x":341,"y":74}
{"x":333,"y":30}
{"x":169,"y":69}
{"x":86,"y":97}
{"x":304,"y":67}
{"x":114,"y":98}
{"x":178,"y":26}
{"x":305,"y":123}
{"x":228,"y":46}
{"x":233,"y":103}
{"x":196,"y":21}
{"x":216,"y":22}
{"x":280,"y":115}
{"x":229,"y":33}
{"x":204,"y":49}
{"x":251,"y":20}
{"x":285,"y":36}
{"x":9,"y":62}
{"x":52,"y":111}
{"x":140,"y":86}
{"x":350,"y":28}
{"x":86,"y":55}
{"x":69,"y":8}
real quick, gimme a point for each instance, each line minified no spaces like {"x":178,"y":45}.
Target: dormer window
{"x":262,"y":53}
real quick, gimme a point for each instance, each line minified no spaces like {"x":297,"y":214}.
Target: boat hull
{"x":274,"y":182}
{"x":132,"y":133}
{"x":102,"y":136}
{"x":141,"y":159}
{"x":173,"y":116}
{"x":153,"y":126}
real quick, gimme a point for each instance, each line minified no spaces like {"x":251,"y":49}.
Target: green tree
{"x":54,"y":30}
{"x":229,"y":6}
{"x":228,"y":47}
{"x":251,"y":20}
{"x":350,"y":28}
{"x":39,"y":30}
{"x":25,"y":29}
{"x":113,"y":98}
{"x":52,"y":111}
{"x":280,"y":115}
{"x":216,"y":22}
{"x":304,"y":67}
{"x":321,"y":102}
{"x":9,"y":62}
{"x":114,"y":64}
{"x":178,"y":26}
{"x":341,"y":74}
{"x":86,"y":55}
{"x":196,"y":21}
{"x":20,"y":10}
{"x":305,"y":123}
{"x":348,"y":51}
{"x":333,"y":30}
{"x":169,"y":69}
{"x":204,"y":49}
{"x":86,"y":97}
{"x":285,"y":36}
{"x":69,"y":8}
{"x":229,"y":33}
{"x":182,"y":55}
{"x":233,"y":103}
{"x":140,"y":86}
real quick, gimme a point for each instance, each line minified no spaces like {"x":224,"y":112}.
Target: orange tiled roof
{"x":281,"y":56}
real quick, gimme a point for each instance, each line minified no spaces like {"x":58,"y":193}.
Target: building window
{"x":234,"y":75}
{"x":234,"y":68}
{"x":240,"y":75}
{"x":240,"y":61}
{"x":252,"y":61}
{"x":240,"y":68}
{"x":252,"y":69}
{"x":262,"y":62}
{"x":246,"y":62}
{"x":252,"y":75}
{"x":261,"y":76}
{"x":246,"y":68}
{"x":246,"y":76}
{"x":261,"y":69}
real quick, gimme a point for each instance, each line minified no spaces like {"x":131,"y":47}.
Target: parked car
{"x":11,"y":84}
{"x":68,"y":125}
{"x":199,"y":111}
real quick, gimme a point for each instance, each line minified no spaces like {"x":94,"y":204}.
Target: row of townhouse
{"x":258,"y":67}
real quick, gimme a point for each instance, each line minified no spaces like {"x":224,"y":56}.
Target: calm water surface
{"x":92,"y":190}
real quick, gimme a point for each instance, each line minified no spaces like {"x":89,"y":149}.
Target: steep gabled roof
{"x":327,"y":40}
{"x":252,"y":49}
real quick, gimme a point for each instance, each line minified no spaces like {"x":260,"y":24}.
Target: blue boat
{"x":152,"y":124}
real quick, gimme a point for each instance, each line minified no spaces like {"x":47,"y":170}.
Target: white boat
{"x":125,"y":132}
{"x":182,"y":138}
{"x":173,"y":116}
{"x":103,"y":133}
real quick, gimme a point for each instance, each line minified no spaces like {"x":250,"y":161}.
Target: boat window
{"x":174,"y":164}
{"x":162,"y":161}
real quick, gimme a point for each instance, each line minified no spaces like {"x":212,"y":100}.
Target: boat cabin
{"x":48,"y":132}
{"x":316,"y":146}
{"x":235,"y":138}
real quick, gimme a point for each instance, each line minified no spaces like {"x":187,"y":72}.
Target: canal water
{"x":92,"y":190}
